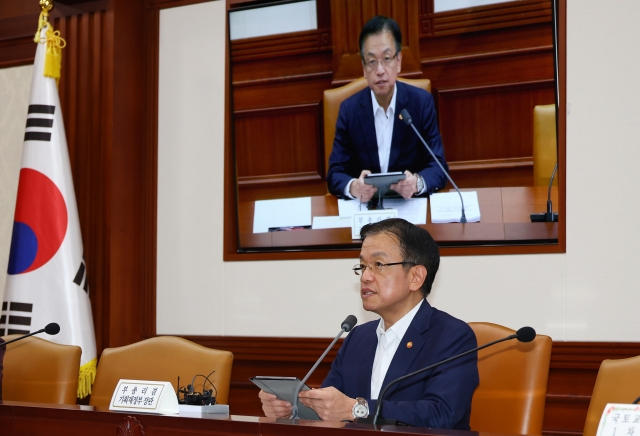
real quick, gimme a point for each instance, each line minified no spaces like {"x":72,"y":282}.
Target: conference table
{"x":26,"y":419}
{"x":504,"y":220}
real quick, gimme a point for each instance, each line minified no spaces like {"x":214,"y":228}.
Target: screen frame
{"x":234,"y":252}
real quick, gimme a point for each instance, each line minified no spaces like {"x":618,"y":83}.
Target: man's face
{"x":381,"y":78}
{"x":392,"y":292}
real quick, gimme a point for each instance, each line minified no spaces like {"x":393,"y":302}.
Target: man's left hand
{"x":329,"y":403}
{"x":406,"y":187}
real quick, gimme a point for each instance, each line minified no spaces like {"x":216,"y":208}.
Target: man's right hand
{"x":274,"y":408}
{"x":360,"y":190}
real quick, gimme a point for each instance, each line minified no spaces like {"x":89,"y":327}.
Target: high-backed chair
{"x":513,"y":382}
{"x":618,"y":381}
{"x":334,"y":97}
{"x":37,"y":370}
{"x":545,"y":149}
{"x":163,"y":358}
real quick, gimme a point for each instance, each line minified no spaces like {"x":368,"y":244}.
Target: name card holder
{"x":360,"y":219}
{"x":143,"y":396}
{"x":619,"y":420}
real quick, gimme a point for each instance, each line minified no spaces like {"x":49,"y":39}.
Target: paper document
{"x":413,"y":210}
{"x":286,"y":212}
{"x":330,"y":222}
{"x":446,"y":207}
{"x":346,"y":208}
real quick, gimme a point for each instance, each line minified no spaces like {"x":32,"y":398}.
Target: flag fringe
{"x":86,"y":378}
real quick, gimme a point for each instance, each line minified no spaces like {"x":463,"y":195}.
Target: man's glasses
{"x":372,"y":64}
{"x":377,"y":267}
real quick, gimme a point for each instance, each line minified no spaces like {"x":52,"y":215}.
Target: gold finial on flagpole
{"x":46,"y":5}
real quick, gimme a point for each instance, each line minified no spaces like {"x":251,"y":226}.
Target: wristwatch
{"x":360,"y":409}
{"x":419,"y":183}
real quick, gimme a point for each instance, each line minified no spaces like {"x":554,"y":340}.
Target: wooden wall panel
{"x":347,"y":19}
{"x":277,"y":84}
{"x":490,"y":128}
{"x":506,"y":14}
{"x":278,"y":92}
{"x":278,"y":145}
{"x":290,"y":44}
{"x":493,"y":122}
{"x":83,"y":104}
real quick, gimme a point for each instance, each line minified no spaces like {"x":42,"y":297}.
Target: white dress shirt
{"x":384,"y":128}
{"x":383,"y":122}
{"x":388,"y":342}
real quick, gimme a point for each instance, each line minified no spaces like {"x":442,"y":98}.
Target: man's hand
{"x":274,"y":408}
{"x":329,"y":403}
{"x":406,"y":187}
{"x":360,"y":190}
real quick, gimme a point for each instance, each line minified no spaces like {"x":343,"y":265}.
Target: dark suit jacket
{"x":440,"y":398}
{"x":355,"y":147}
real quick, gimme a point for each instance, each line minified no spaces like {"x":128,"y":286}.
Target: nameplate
{"x":620,"y":420}
{"x":360,"y":219}
{"x":143,"y":396}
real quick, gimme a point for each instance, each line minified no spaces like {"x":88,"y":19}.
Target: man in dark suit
{"x":398,"y":263}
{"x":370,"y":137}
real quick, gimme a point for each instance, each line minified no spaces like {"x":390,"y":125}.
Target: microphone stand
{"x":549,"y":216}
{"x":347,"y":325}
{"x":407,"y":120}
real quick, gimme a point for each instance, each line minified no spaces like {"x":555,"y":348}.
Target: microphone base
{"x":544,"y":217}
{"x":381,"y":421}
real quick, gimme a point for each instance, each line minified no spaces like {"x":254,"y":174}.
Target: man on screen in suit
{"x":398,"y":263}
{"x":370,"y":137}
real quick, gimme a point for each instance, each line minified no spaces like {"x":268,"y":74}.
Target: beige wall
{"x":15,"y":85}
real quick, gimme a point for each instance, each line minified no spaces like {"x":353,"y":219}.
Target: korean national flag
{"x":47,"y":276}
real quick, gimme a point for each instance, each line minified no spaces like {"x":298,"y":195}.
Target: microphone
{"x":404,"y":116}
{"x":525,"y":334}
{"x":549,"y":216}
{"x":51,"y":329}
{"x":346,"y":326}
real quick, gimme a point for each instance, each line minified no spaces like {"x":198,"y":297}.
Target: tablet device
{"x":284,"y":388}
{"x":384,"y":179}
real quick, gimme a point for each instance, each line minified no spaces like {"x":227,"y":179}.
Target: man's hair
{"x":416,"y":245}
{"x":377,"y":25}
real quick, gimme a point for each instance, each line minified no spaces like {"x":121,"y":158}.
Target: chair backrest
{"x":513,"y":382}
{"x":334,"y":97}
{"x":618,"y":381}
{"x":37,"y":370}
{"x":163,"y":358}
{"x":545,"y":149}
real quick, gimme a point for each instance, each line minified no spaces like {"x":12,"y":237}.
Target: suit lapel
{"x":368,"y":129}
{"x":399,"y":127}
{"x":410,"y":347}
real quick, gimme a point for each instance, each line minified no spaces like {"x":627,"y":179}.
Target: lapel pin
{"x":409,"y":344}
